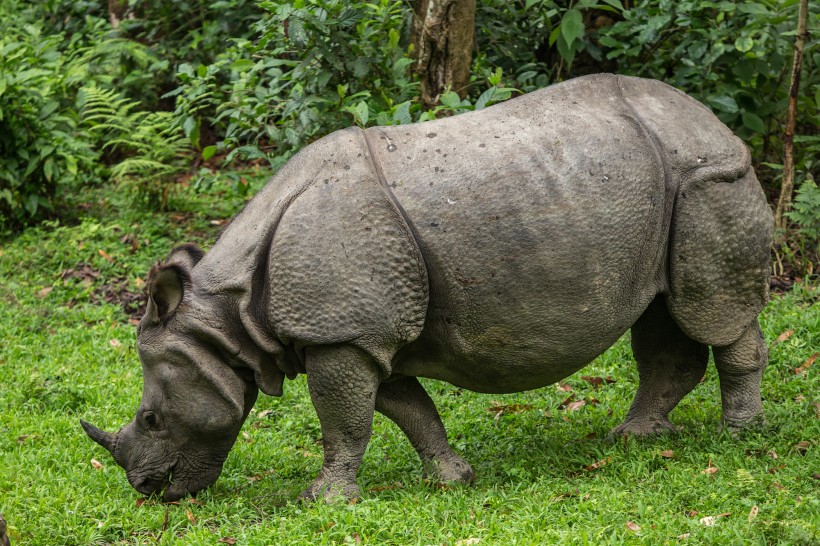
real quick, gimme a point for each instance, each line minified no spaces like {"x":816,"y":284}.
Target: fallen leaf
{"x":778,"y":486}
{"x":468,"y":541}
{"x":114,"y":342}
{"x":195,"y":502}
{"x":598,"y":464}
{"x":265,"y":413}
{"x":632,"y":526}
{"x":799,"y":397}
{"x":566,"y":401}
{"x":96,"y":464}
{"x":597,"y":381}
{"x":191,"y":517}
{"x":684,"y":536}
{"x":802,"y":447}
{"x":800,"y":369}
{"x":227,"y":540}
{"x":667,"y":454}
{"x":692,"y":513}
{"x":247,"y":437}
{"x":593,"y":401}
{"x":500,"y":410}
{"x":816,"y":476}
{"x":708,"y":521}
{"x":816,"y":410}
{"x":105,"y":255}
{"x":711,"y":469}
{"x":753,"y":513}
{"x":783,"y":337}
{"x":575,"y":406}
{"x":565,"y":387}
{"x":22,"y":439}
{"x":43,"y":292}
{"x":139,"y":502}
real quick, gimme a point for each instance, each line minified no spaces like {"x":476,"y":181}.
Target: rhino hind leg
{"x":740,"y":368}
{"x":407,"y":404}
{"x":670,"y":365}
{"x":342,"y":381}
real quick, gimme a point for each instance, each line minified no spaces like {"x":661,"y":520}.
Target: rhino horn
{"x":105,"y":439}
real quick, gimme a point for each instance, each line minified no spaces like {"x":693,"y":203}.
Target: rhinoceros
{"x":500,"y":250}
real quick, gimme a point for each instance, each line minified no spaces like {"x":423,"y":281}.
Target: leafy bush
{"x":42,"y":149}
{"x":155,"y":151}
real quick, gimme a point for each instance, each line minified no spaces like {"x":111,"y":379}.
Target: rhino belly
{"x":542,"y":223}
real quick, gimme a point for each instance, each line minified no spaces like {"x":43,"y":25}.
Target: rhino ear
{"x":169,"y":281}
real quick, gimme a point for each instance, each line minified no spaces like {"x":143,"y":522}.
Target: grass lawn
{"x":545,"y":472}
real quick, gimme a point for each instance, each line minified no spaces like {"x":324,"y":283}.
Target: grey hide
{"x":499,"y":250}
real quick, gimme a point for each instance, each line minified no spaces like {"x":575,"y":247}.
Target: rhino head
{"x":198,"y":385}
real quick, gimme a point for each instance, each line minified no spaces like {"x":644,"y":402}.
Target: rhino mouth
{"x":155,"y":484}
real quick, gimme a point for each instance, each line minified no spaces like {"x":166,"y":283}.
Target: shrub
{"x":42,"y":149}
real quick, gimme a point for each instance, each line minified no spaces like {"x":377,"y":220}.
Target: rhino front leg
{"x":740,"y":367}
{"x":342,"y":381}
{"x":407,"y":404}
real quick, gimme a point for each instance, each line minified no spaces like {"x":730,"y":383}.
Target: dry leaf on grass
{"x":191,"y":517}
{"x":106,"y":256}
{"x":783,"y":337}
{"x":805,"y":366}
{"x":227,"y":540}
{"x":632,"y":526}
{"x":667,"y":454}
{"x":575,"y":406}
{"x":802,"y":447}
{"x":468,"y":541}
{"x":565,"y":387}
{"x":708,"y":521}
{"x":43,"y":292}
{"x":114,"y":342}
{"x":500,"y":410}
{"x":96,"y":464}
{"x":753,"y":513}
{"x":684,"y":536}
{"x":710,"y":470}
{"x":597,"y":381}
{"x":598,"y":464}
{"x":264,"y":413}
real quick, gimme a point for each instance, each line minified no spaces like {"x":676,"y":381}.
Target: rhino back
{"x":542,"y":225}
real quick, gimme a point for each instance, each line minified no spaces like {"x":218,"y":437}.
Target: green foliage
{"x":155,"y":151}
{"x":42,"y":149}
{"x":317,"y":66}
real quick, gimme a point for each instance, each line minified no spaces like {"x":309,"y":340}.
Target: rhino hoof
{"x":735,"y":427}
{"x":329,"y":491}
{"x":451,"y":469}
{"x":643,"y":427}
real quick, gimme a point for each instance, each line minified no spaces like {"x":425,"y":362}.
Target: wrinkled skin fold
{"x":500,"y":250}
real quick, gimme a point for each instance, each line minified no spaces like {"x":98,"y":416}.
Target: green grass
{"x":66,"y":354}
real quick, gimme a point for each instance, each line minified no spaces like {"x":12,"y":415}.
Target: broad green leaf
{"x":572,"y":26}
{"x":754,"y":8}
{"x":450,"y":99}
{"x":208,"y":152}
{"x":753,"y":122}
{"x":240,"y":65}
{"x":402,"y":114}
{"x":615,"y":4}
{"x":744,"y":44}
{"x":724,"y":102}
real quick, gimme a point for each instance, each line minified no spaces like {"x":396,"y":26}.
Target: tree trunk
{"x":443,"y":33}
{"x":787,"y":186}
{"x":117,"y":10}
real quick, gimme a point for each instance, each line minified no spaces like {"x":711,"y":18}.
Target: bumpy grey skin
{"x":500,"y":250}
